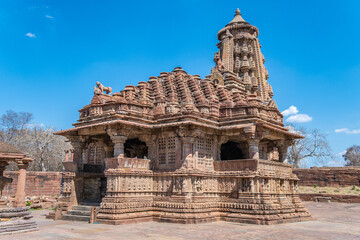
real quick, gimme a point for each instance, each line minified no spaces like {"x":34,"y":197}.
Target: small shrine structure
{"x":15,"y":218}
{"x":178,"y":148}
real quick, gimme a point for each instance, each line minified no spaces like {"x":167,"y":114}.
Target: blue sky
{"x":53,"y":52}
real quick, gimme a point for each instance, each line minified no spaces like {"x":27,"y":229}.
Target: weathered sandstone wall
{"x":329,"y":176}
{"x":37,"y":183}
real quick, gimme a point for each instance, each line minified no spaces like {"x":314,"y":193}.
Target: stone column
{"x":254,"y":148}
{"x":73,"y":195}
{"x":77,"y":152}
{"x":66,"y":155}
{"x":78,"y":144}
{"x":283,"y":150}
{"x":20,"y":189}
{"x":108,"y":151}
{"x":152,"y":152}
{"x":3,"y":180}
{"x":119,"y":145}
{"x":187,"y":152}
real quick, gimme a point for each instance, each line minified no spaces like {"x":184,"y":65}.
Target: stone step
{"x":68,"y":217}
{"x":82,"y":208}
{"x":79,"y":213}
{"x":17,"y":226}
{"x":94,"y":204}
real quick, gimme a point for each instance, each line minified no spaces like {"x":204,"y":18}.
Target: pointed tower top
{"x":237,"y":17}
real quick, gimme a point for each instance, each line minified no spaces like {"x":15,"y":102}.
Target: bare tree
{"x":12,"y":123}
{"x":39,"y":143}
{"x":352,"y":156}
{"x":314,"y":145}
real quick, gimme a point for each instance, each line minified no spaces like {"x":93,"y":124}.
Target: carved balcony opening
{"x":134,"y":148}
{"x":268,"y":150}
{"x":234,"y":150}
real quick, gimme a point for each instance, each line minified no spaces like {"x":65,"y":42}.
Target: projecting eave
{"x":282,"y":130}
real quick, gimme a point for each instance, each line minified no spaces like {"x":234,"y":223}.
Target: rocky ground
{"x":331,"y":221}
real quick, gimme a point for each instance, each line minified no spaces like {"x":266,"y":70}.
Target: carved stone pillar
{"x":66,"y":155}
{"x":108,"y":151}
{"x":3,"y":180}
{"x":221,"y":140}
{"x":78,"y":144}
{"x":119,"y":141}
{"x":73,"y":195}
{"x":187,"y":152}
{"x":283,"y":150}
{"x":20,"y":189}
{"x":152,"y":151}
{"x":254,"y":148}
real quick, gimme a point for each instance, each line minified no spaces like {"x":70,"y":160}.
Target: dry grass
{"x":331,"y":190}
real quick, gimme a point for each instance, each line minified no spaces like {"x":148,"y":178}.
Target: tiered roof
{"x":222,"y":99}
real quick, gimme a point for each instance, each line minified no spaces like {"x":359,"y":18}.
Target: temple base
{"x":16,"y":220}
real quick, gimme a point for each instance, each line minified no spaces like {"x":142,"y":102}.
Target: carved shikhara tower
{"x":183,"y":149}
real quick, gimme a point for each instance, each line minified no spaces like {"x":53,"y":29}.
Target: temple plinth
{"x":179,"y":148}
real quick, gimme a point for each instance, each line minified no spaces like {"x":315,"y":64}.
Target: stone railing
{"x":133,"y":163}
{"x":70,"y":166}
{"x":253,"y":165}
{"x":273,"y":167}
{"x":235,"y":165}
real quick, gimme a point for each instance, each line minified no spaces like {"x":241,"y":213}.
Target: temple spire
{"x":237,"y":17}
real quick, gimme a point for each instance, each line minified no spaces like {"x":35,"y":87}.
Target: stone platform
{"x":331,"y":221}
{"x":16,"y":220}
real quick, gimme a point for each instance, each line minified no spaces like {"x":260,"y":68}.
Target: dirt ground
{"x":331,"y":221}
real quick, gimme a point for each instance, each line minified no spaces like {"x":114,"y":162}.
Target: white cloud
{"x":290,"y":111}
{"x":299,"y":118}
{"x":293,"y":130}
{"x":347,"y":131}
{"x":33,"y":125}
{"x":340,"y":154}
{"x":48,"y":16}
{"x":30,"y":35}
{"x":336,"y":163}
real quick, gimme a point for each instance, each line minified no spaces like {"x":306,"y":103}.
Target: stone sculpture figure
{"x":219,"y":65}
{"x":197,"y":185}
{"x":99,"y":89}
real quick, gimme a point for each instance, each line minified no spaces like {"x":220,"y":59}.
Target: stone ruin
{"x":182,"y":149}
{"x":15,"y":218}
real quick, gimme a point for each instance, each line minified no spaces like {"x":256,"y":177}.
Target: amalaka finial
{"x":237,"y":18}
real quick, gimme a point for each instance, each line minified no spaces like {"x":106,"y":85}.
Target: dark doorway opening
{"x":233,"y":150}
{"x":134,"y":148}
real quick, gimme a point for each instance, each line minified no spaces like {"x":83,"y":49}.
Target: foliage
{"x":353,"y":187}
{"x":352,"y":156}
{"x":39,"y":143}
{"x":313,"y":145}
{"x":315,"y":185}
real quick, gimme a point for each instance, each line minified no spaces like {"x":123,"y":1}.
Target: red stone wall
{"x":37,"y":183}
{"x":329,"y":176}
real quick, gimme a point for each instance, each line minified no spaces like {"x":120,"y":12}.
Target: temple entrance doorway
{"x":234,"y":150}
{"x":94,"y":189}
{"x":134,"y":148}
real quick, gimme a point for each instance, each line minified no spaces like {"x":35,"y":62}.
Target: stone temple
{"x":182,"y":149}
